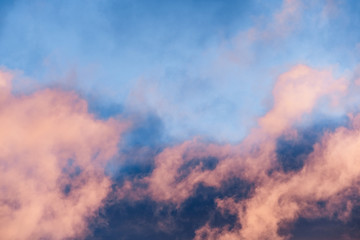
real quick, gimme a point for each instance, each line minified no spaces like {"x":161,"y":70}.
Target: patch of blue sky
{"x":187,"y":61}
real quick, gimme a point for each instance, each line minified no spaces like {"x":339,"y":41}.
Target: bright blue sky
{"x":187,"y":62}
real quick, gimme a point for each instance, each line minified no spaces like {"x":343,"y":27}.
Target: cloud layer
{"x":179,"y":120}
{"x":52,"y":159}
{"x":55,"y":153}
{"x":325,"y":186}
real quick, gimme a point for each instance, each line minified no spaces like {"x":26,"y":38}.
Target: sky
{"x":179,"y":120}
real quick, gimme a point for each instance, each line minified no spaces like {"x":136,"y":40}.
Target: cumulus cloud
{"x":52,"y":158}
{"x":324,"y":187}
{"x":53,"y":152}
{"x":170,"y":180}
{"x":321,"y":188}
{"x":295,"y":93}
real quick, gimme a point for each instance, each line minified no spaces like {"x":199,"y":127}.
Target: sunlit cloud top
{"x":208,"y":119}
{"x":203,"y":62}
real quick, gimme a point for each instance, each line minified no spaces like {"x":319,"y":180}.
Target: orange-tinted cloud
{"x":169,"y":182}
{"x":331,"y":175}
{"x":278,"y":198}
{"x":52,"y":158}
{"x":295,"y":93}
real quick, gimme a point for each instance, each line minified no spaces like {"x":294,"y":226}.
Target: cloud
{"x":330,"y":176}
{"x":178,"y":170}
{"x":296,"y":93}
{"x":278,"y":197}
{"x":5,"y":83}
{"x":206,"y":78}
{"x":52,"y":158}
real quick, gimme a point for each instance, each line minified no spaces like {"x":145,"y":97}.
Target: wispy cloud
{"x":179,"y":120}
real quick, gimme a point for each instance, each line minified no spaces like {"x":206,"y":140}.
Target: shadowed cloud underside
{"x":204,"y":120}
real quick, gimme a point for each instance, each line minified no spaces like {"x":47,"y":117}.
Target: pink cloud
{"x":295,"y":93}
{"x":168,"y":183}
{"x":282,"y":23}
{"x":5,"y":84}
{"x":52,"y":158}
{"x":330,"y":173}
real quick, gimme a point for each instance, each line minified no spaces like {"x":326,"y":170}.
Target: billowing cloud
{"x":178,"y":169}
{"x":52,"y":158}
{"x":324,"y":187}
{"x":321,"y":188}
{"x":54,"y":152}
{"x":244,"y":120}
{"x":296,"y":93}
